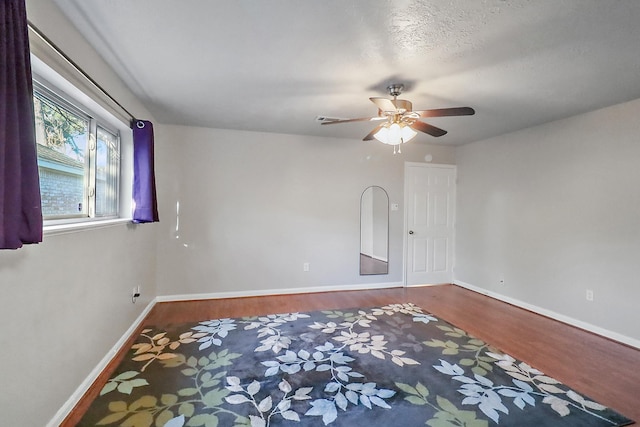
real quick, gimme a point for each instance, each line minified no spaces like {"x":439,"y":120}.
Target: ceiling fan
{"x":400,"y":122}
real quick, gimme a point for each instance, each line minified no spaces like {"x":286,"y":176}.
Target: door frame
{"x":405,"y":228}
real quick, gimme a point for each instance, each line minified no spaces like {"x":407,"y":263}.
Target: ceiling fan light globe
{"x":382,"y":135}
{"x":408,"y":133}
{"x":395,"y":134}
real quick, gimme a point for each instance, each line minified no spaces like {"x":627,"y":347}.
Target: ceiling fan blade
{"x":384,"y":104}
{"x":369,"y":136}
{"x":427,"y":128}
{"x":361,"y":119}
{"x":443,"y":112}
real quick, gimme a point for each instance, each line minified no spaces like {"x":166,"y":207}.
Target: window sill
{"x":52,"y":230}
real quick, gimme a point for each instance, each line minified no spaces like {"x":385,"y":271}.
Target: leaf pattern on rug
{"x":447,"y":414}
{"x":528,"y":385}
{"x":150,"y":410}
{"x":390,"y":365}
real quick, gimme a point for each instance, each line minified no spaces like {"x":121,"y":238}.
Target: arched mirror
{"x":374,"y":231}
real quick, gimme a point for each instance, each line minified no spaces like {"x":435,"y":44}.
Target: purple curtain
{"x":145,"y":205}
{"x":20,"y":211}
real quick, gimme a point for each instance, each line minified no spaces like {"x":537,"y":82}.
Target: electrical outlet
{"x":305,"y":266}
{"x":135,"y":294}
{"x":589,"y":295}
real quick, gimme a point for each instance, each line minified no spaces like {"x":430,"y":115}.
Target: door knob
{"x":410,"y":231}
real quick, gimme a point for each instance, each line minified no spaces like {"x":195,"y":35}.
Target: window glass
{"x":62,"y":137}
{"x":107,"y":171}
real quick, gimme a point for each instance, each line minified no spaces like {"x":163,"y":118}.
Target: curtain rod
{"x":59,"y":51}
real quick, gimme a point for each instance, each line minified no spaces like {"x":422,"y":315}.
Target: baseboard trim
{"x":284,"y":291}
{"x":73,"y":400}
{"x":632,"y":342}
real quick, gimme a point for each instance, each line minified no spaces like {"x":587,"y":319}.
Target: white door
{"x":430,"y":210}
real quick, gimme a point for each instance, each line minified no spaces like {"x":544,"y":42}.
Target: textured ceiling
{"x":273,"y":66}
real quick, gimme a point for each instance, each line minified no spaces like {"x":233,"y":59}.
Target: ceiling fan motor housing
{"x":395,"y":89}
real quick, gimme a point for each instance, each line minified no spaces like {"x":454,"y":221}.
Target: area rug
{"x":395,"y":365}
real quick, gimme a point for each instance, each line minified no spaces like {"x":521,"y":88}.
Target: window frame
{"x":55,"y":88}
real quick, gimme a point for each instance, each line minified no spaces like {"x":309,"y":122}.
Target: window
{"x":78,"y":160}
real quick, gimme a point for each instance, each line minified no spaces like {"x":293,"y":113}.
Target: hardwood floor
{"x":604,"y":370}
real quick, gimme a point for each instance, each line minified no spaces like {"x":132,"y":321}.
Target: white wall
{"x":66,"y":301}
{"x":63,"y":304}
{"x":374,"y":223}
{"x":253,"y":207}
{"x":366,"y":223}
{"x":555,"y":210}
{"x":379,"y":226}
